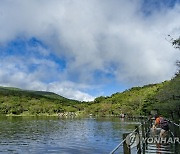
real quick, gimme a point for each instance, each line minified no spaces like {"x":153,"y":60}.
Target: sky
{"x":83,"y":49}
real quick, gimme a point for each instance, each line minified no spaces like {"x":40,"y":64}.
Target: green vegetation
{"x":17,"y":101}
{"x":168,"y":99}
{"x":176,"y":43}
{"x":164,"y":97}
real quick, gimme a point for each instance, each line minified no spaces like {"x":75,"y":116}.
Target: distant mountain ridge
{"x":17,"y":101}
{"x":17,"y":91}
{"x":163,"y":97}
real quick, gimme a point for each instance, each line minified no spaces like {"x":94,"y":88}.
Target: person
{"x":163,"y":123}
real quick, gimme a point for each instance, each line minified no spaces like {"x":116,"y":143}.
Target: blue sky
{"x":84,"y":49}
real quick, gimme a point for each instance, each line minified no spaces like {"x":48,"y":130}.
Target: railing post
{"x":176,"y":134}
{"x":146,"y":135}
{"x":143,"y":138}
{"x":179,"y":130}
{"x":126,"y":147}
{"x":149,"y":126}
{"x":139,"y":145}
{"x":145,"y":127}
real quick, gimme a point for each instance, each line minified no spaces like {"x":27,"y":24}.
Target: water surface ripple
{"x":37,"y":135}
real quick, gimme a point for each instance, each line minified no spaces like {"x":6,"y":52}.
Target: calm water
{"x":66,"y":136}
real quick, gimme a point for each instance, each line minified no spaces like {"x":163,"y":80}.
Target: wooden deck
{"x":150,"y":142}
{"x":163,"y":148}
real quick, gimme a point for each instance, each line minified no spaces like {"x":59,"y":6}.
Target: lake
{"x":37,"y":135}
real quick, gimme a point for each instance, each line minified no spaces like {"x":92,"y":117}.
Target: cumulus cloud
{"x":118,"y":37}
{"x":70,"y":90}
{"x":14,"y":72}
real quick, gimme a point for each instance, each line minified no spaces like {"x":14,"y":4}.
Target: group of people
{"x":163,"y":124}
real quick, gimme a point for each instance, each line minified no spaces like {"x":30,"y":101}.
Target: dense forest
{"x":163,"y":97}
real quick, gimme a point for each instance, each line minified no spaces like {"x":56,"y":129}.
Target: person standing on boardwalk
{"x":163,"y":124}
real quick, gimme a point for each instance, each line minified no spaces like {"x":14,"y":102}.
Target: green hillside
{"x":135,"y":101}
{"x":168,"y":99}
{"x":164,"y":97}
{"x":17,"y":101}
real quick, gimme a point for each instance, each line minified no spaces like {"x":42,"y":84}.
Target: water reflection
{"x":54,"y":135}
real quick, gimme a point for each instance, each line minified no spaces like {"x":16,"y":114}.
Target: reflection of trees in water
{"x":34,"y":127}
{"x":28,"y":127}
{"x":114,"y":127}
{"x":38,"y":132}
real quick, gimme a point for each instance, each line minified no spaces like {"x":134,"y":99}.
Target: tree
{"x":178,"y":68}
{"x":176,"y":43}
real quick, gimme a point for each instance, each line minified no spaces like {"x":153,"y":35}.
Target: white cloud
{"x":70,"y":90}
{"x":93,"y":35}
{"x":14,"y":72}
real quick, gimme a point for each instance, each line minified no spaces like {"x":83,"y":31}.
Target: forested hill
{"x":164,"y":97}
{"x":8,"y":91}
{"x":18,"y":101}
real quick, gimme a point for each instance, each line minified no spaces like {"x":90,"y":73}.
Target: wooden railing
{"x":143,"y":131}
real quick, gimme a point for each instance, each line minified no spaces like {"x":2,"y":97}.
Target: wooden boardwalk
{"x":149,"y":141}
{"x":163,"y":148}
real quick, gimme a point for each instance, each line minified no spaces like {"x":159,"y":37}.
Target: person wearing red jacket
{"x":163,"y":124}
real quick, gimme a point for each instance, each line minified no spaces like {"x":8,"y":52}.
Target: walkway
{"x":149,"y":141}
